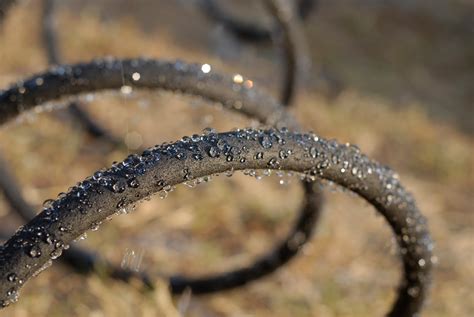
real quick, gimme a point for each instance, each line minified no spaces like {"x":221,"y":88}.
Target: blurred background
{"x":394,"y":77}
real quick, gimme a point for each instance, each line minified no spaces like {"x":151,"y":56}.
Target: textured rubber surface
{"x":249,"y":101}
{"x":95,"y":199}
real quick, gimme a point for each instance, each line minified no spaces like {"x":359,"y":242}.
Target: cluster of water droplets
{"x":68,"y":82}
{"x":266,"y":150}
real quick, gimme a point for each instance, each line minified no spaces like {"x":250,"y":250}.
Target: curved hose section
{"x":4,"y":7}
{"x":83,"y":261}
{"x":111,"y":73}
{"x":284,"y":252}
{"x":93,"y":200}
{"x":292,"y":45}
{"x":248,"y":30}
{"x":229,"y":91}
{"x":53,"y":54}
{"x":287,"y":36}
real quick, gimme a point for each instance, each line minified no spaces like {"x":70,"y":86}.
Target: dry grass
{"x":351,"y":268}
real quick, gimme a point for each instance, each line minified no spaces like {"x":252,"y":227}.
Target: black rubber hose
{"x":291,"y":38}
{"x":86,"y":262}
{"x":284,"y":252}
{"x":100,"y":196}
{"x":82,"y":261}
{"x":177,"y":283}
{"x":291,"y":42}
{"x":50,"y":42}
{"x":248,"y":30}
{"x":4,"y":7}
{"x":110,"y":73}
{"x":239,"y":96}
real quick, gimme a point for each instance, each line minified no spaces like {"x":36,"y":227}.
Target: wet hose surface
{"x":50,"y":43}
{"x":250,"y":30}
{"x":105,"y":193}
{"x":85,"y":262}
{"x":186,"y":78}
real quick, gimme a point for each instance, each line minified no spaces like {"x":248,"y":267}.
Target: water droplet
{"x":238,"y":79}
{"x":44,"y":267}
{"x":119,"y":186}
{"x":12,"y":277}
{"x":259,"y":156}
{"x":136,"y":76}
{"x":229,"y":173}
{"x":12,"y":295}
{"x":265,"y":141}
{"x":221,"y":144}
{"x":47,"y":203}
{"x":208,"y":131}
{"x":284,"y":154}
{"x":56,"y":253}
{"x":274,"y":163}
{"x":213,"y":151}
{"x":95,"y":226}
{"x":121,"y":204}
{"x":39,"y":81}
{"x":197,"y":156}
{"x":81,"y":237}
{"x":126,"y":90}
{"x":163,"y":194}
{"x":413,"y":291}
{"x":206,"y":68}
{"x":134,"y":183}
{"x":238,"y":104}
{"x":248,"y":84}
{"x":34,"y":252}
{"x":191,"y":183}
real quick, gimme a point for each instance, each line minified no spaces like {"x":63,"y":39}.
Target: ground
{"x":405,"y":96}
